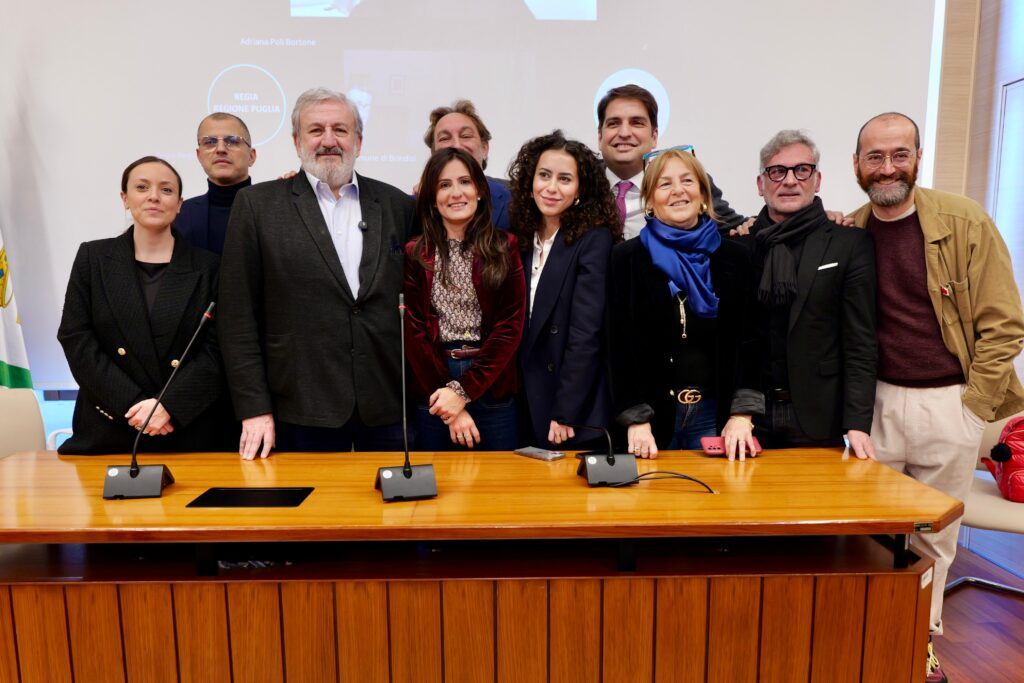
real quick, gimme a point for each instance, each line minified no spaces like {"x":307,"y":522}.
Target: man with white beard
{"x":949,"y":327}
{"x":310,"y":278}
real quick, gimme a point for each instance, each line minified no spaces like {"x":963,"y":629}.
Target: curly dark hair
{"x":595,"y":209}
{"x":481,"y":235}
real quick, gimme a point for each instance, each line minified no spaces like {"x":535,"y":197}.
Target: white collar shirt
{"x":635,"y":219}
{"x":541,"y":253}
{"x":344,"y":218}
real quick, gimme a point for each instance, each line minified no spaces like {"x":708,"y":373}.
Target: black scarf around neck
{"x":778,"y":281}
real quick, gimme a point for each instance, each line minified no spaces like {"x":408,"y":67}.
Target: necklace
{"x":682,"y":312}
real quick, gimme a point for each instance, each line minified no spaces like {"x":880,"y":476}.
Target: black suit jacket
{"x":563,"y":355}
{"x":297,"y":341}
{"x":832,"y":350}
{"x":120,"y":354}
{"x":645,"y":324}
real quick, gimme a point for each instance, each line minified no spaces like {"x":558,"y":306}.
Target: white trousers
{"x":929,"y":434}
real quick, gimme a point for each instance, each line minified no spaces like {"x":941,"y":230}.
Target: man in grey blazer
{"x":310,"y":278}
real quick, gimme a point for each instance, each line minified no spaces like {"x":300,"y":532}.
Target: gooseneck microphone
{"x":605,"y":468}
{"x":408,"y":482}
{"x":148,"y":481}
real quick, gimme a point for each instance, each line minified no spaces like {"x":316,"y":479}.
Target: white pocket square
{"x":828,"y":265}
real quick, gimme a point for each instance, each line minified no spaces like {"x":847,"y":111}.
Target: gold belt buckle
{"x":689,"y":396}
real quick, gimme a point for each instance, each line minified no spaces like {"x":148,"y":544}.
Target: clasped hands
{"x":159,"y":424}
{"x":451,"y":409}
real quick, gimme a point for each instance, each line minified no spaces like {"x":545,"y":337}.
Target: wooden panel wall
{"x":956,"y":90}
{"x":732,"y":628}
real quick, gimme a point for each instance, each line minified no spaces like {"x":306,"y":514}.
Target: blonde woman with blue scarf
{"x":683,"y":349}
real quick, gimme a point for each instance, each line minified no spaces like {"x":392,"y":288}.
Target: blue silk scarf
{"x":684,"y":256}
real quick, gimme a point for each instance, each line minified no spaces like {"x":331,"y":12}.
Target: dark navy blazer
{"x":564,"y":350}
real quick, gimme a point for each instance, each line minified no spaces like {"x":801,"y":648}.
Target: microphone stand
{"x":148,"y":481}
{"x":409,"y":482}
{"x":612,"y":469}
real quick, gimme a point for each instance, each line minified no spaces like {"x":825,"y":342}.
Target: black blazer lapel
{"x":176,"y":288}
{"x":372,"y":237}
{"x":309,"y":211}
{"x":811,"y":257}
{"x":124,"y":298}
{"x":555,"y":270}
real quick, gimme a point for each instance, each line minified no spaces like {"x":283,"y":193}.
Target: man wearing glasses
{"x":815,"y":312}
{"x":627,"y":129}
{"x":225,"y":152}
{"x":949,"y":327}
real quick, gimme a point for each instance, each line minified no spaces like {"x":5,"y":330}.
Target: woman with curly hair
{"x":465,"y":296}
{"x":566,"y":221}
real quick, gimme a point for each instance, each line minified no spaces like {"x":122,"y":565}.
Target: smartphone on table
{"x":540,"y":453}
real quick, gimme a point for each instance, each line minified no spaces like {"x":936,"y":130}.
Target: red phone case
{"x":715,"y":445}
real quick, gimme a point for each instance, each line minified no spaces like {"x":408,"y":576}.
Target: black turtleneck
{"x":221,"y":198}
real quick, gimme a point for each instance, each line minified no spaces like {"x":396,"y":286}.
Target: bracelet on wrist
{"x":459,"y":391}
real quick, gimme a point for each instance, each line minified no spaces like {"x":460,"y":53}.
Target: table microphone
{"x":409,"y":482}
{"x":605,"y":468}
{"x":148,"y":481}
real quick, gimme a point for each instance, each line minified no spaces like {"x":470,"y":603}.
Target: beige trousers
{"x":929,"y":434}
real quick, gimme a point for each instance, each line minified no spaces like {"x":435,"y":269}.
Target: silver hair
{"x":318,"y":95}
{"x":785,"y":138}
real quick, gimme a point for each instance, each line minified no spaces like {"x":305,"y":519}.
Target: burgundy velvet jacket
{"x":501,"y":328}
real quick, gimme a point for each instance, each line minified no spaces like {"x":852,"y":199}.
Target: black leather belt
{"x":779,"y":395}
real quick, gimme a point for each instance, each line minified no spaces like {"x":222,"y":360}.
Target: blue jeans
{"x":694,"y":420}
{"x":495,"y":420}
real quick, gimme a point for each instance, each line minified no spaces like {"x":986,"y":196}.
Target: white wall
{"x":85,"y":88}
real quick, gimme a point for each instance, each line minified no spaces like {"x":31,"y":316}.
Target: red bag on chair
{"x":1007,"y":462}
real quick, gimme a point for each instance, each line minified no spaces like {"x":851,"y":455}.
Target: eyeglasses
{"x":801,"y":172}
{"x":874,"y":160}
{"x":678,"y":148}
{"x":210,"y":142}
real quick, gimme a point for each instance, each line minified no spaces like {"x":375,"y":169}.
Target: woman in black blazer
{"x":132,"y":304}
{"x":566,"y":221}
{"x":681,"y":302}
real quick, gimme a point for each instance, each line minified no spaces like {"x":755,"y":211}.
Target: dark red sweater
{"x":911,"y":352}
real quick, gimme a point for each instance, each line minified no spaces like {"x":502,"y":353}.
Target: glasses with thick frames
{"x":874,"y":160}
{"x":210,"y":142}
{"x":801,"y":172}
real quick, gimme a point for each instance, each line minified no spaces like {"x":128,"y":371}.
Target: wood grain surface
{"x":46,"y":498}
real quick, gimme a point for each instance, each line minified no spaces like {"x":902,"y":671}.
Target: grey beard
{"x":332,"y":174}
{"x":889,"y":196}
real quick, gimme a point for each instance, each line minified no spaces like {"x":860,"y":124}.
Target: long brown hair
{"x":594,"y":209}
{"x":481,"y":236}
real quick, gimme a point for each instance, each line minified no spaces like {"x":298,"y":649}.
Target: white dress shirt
{"x":541,"y":252}
{"x":343,"y":216}
{"x":635,"y":219}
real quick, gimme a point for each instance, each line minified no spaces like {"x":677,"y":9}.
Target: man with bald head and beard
{"x":310,"y":278}
{"x":949,"y":328}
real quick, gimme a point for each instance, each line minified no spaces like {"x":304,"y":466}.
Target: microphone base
{"x":150,"y":482}
{"x":394,"y":485}
{"x":595,"y":469}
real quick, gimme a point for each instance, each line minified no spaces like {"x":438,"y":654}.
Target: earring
{"x":703,"y":207}
{"x":649,"y":212}
{"x":577,"y":202}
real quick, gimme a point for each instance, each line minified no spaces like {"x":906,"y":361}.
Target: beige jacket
{"x":971,"y":285}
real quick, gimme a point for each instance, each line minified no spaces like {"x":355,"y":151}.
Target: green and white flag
{"x":13,"y":357}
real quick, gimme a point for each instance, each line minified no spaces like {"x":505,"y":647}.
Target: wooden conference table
{"x":517,"y":571}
